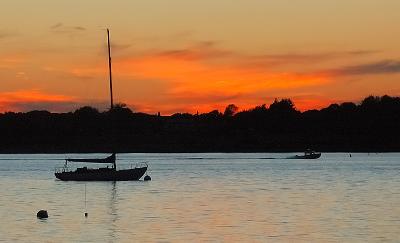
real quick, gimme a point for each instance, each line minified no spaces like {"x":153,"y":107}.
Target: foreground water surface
{"x":207,"y":197}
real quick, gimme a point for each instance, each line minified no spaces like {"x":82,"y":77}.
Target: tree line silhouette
{"x":370,"y":126}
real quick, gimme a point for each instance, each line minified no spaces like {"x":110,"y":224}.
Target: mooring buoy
{"x":147,"y":178}
{"x":42,"y":214}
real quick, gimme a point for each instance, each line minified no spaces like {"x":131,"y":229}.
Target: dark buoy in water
{"x":42,"y":214}
{"x":147,"y":178}
{"x":86,"y":214}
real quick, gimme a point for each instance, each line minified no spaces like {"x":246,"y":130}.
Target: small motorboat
{"x":308,"y":154}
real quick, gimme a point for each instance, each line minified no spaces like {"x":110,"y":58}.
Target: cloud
{"x":200,"y":70}
{"x":119,"y":47}
{"x":6,"y":34}
{"x":199,"y":51}
{"x":17,"y":99}
{"x":87,"y":72}
{"x":182,"y":35}
{"x":306,"y":58}
{"x":54,"y":106}
{"x":82,"y":73}
{"x":380,"y":67}
{"x":25,"y":106}
{"x":60,"y":28}
{"x":116,"y":48}
{"x":363,"y":52}
{"x":208,"y":50}
{"x":22,"y":75}
{"x":203,"y":76}
{"x":58,"y":25}
{"x":27,"y":100}
{"x":12,"y":60}
{"x":201,"y":98}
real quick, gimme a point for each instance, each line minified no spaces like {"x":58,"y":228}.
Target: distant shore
{"x":371,"y":126}
{"x":189,"y":152}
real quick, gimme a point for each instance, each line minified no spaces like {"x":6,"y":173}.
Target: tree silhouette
{"x":231,"y":110}
{"x":372,"y":125}
{"x":86,"y":111}
{"x":282,"y":106}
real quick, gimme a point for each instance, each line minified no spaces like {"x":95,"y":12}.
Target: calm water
{"x":207,"y":197}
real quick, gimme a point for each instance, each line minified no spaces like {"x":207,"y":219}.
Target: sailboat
{"x":101,"y":174}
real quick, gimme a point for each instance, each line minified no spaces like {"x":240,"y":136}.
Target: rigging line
{"x":109,"y":68}
{"x":85,"y":197}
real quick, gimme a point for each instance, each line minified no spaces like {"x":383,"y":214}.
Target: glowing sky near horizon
{"x":187,"y":56}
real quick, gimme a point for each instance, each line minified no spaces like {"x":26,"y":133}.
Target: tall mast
{"x":111,"y":93}
{"x":109,"y":67}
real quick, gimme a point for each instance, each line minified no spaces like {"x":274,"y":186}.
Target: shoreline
{"x":192,"y":152}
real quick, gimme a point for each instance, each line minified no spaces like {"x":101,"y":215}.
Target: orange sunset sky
{"x":187,"y":56}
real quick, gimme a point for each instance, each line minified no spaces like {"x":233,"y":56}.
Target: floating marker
{"x":147,"y":178}
{"x":42,"y":214}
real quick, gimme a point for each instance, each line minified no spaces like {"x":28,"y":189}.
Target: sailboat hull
{"x":102,"y":175}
